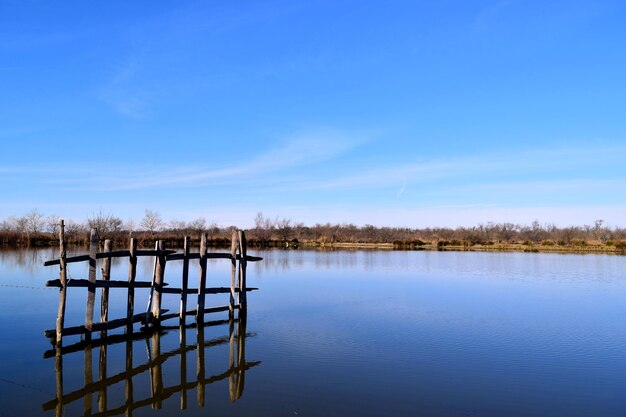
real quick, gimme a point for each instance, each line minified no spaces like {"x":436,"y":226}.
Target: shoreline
{"x":503,"y":247}
{"x":601,"y":249}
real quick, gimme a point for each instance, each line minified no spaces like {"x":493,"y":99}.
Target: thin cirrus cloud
{"x":563,"y":163}
{"x":320,"y":168}
{"x":303,"y":150}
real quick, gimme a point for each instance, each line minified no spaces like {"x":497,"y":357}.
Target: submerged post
{"x":91,"y":290}
{"x":202,"y":279}
{"x":63,"y":278}
{"x":132,"y":272}
{"x":149,"y":313}
{"x":159,"y":278}
{"x":234,"y":244}
{"x":243,"y":263}
{"x":185,"y":282}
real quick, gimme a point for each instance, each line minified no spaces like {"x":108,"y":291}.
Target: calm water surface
{"x":369,"y":333}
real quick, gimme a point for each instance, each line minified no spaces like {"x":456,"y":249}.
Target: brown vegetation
{"x":36,"y":229}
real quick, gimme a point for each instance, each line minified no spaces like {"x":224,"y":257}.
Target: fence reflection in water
{"x":235,"y":372}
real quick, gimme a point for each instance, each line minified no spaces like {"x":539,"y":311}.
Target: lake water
{"x":368,"y":333}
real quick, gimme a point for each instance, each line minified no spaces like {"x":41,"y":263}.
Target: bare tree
{"x":176,"y":224}
{"x":35,"y":221}
{"x":129,"y":225}
{"x":299,"y":230}
{"x":601,"y":233}
{"x":263,"y":227}
{"x":6,"y":226}
{"x":152,"y":221}
{"x":283,"y":227}
{"x":20,"y":225}
{"x":73,"y":228}
{"x":198,"y":225}
{"x":115,"y":224}
{"x":100,"y":221}
{"x":52,"y":222}
{"x":178,"y":227}
{"x":213,"y":229}
{"x":105,"y":223}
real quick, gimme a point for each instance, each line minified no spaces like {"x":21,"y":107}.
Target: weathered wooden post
{"x":243,"y":263}
{"x":234,"y":245}
{"x":132,"y":273}
{"x":185,"y":282}
{"x":63,"y":278}
{"x":106,"y":276}
{"x":91,"y":290}
{"x":159,"y":279}
{"x":202,"y":280}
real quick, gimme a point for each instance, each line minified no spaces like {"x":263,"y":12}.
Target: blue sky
{"x":403,"y":113}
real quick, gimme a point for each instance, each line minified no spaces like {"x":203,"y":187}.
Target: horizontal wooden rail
{"x":211,"y":255}
{"x":113,"y":254}
{"x":170,"y":254}
{"x":96,"y":327}
{"x":99,"y":284}
{"x":208,"y":290}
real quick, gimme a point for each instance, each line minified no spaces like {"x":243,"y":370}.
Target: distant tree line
{"x":284,"y":230}
{"x":35,"y":228}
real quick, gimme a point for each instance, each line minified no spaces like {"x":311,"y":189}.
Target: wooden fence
{"x":154,"y":314}
{"x":151,"y":321}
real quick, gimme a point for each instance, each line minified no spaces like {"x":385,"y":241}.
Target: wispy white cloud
{"x":581,"y":161}
{"x":313,"y":177}
{"x":402,"y":189}
{"x":296,"y":151}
